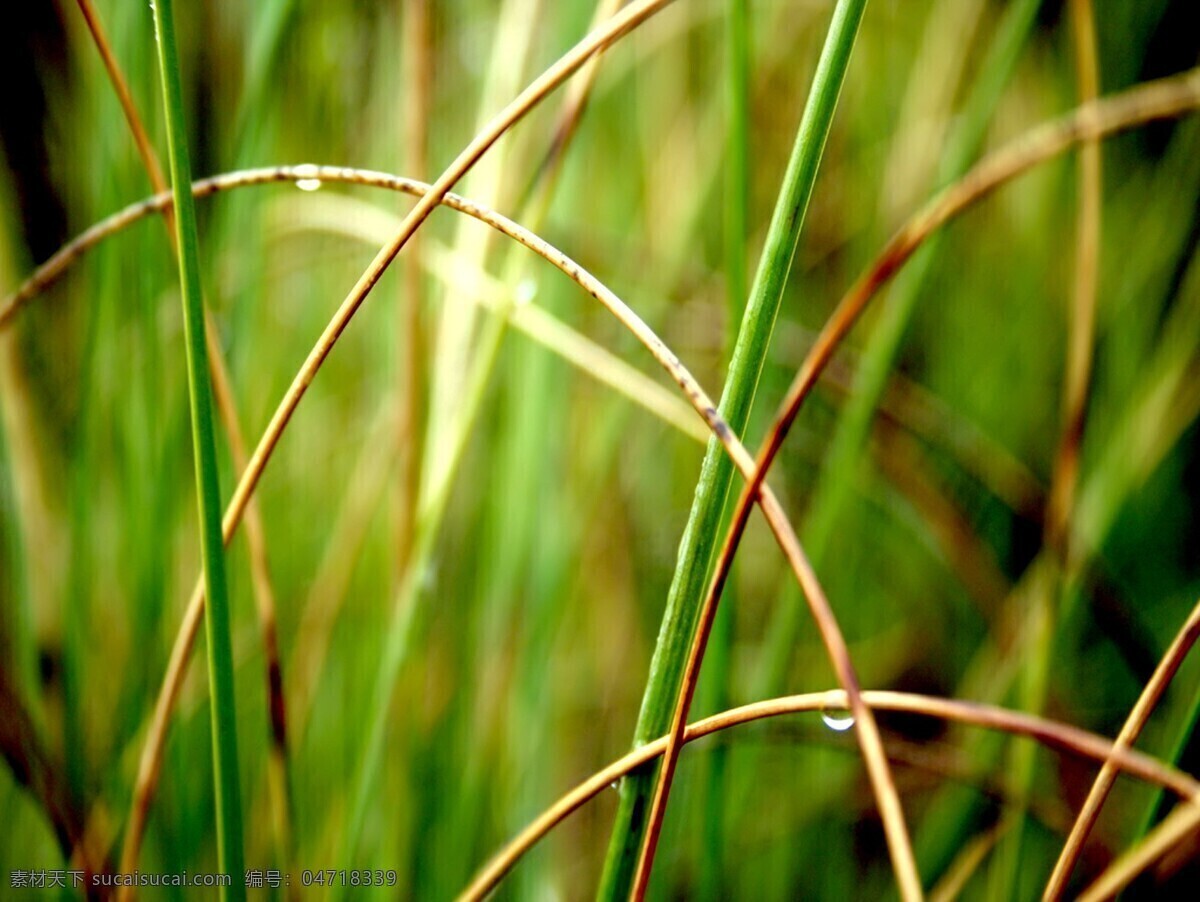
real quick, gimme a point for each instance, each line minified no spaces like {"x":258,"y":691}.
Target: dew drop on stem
{"x":838,"y":719}
{"x":306,"y":177}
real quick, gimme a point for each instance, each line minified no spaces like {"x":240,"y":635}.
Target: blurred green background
{"x":539,"y":608}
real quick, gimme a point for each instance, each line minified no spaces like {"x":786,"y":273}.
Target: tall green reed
{"x":208,"y":495}
{"x":702,"y":533}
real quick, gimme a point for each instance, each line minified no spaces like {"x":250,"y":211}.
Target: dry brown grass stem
{"x":117,"y":77}
{"x":226,"y":405}
{"x":1163,"y":99}
{"x":1182,"y":823}
{"x":1160,"y":99}
{"x":1050,"y":733}
{"x":1132,"y":728}
{"x":530,"y":97}
{"x":866,"y":730}
{"x":475,"y":284}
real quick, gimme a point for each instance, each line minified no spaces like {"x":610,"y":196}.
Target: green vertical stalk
{"x":220,"y":652}
{"x":702,"y":533}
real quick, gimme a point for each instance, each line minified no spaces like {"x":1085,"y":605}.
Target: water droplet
{"x":615,"y":785}
{"x":306,"y":177}
{"x":839,"y":720}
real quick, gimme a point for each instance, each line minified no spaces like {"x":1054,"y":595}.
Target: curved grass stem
{"x":1048,"y":732}
{"x":1153,"y":691}
{"x":1090,"y":121}
{"x":1181,"y":824}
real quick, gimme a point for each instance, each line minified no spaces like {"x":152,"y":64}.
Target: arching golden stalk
{"x":1155,"y":100}
{"x":1047,"y":732}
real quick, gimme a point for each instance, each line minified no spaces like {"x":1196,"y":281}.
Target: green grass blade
{"x":702,"y":533}
{"x":220,"y":653}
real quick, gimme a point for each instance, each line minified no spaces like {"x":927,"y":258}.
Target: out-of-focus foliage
{"x":536,"y":621}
